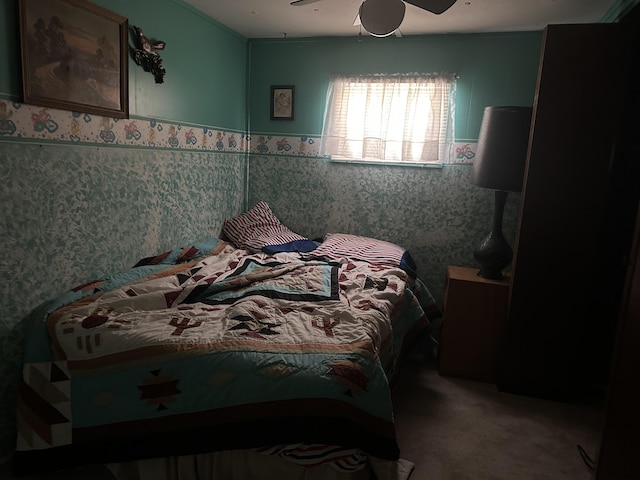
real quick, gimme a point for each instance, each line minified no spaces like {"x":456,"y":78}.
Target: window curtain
{"x":390,"y":118}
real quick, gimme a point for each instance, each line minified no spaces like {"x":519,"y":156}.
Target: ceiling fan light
{"x":381,"y":35}
{"x":382,"y":17}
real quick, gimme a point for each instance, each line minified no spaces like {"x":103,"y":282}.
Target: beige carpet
{"x":459,"y":429}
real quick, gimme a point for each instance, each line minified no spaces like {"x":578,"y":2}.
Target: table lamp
{"x":499,"y":165}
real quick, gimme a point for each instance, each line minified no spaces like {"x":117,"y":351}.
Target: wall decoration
{"x":282,"y":102}
{"x":146,"y":55}
{"x":44,"y":125}
{"x":74,"y":57}
{"x":22,"y":121}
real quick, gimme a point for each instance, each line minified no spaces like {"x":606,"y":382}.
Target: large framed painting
{"x":74,"y":57}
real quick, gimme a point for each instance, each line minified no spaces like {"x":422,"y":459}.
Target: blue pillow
{"x":294,"y":246}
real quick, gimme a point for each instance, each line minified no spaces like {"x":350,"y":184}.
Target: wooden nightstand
{"x":475,"y":311}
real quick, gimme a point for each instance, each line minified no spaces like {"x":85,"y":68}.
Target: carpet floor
{"x":455,"y":429}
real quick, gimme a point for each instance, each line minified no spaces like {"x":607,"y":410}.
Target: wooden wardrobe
{"x":573,"y":327}
{"x":576,"y":220}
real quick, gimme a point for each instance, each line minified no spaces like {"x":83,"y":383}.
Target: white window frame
{"x":404,"y":119}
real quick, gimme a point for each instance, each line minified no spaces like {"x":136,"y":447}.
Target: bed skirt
{"x":248,"y":465}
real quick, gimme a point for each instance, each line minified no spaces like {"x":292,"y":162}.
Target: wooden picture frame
{"x":282,"y":102}
{"x":74,"y":57}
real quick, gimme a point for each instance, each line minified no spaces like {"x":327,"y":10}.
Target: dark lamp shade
{"x":502,"y":148}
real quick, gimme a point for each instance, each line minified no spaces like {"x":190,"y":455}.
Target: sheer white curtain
{"x":389,"y":118}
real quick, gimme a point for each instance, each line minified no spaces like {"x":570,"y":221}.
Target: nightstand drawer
{"x":475,"y":310}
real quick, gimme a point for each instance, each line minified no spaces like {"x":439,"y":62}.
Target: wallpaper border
{"x":19,"y":121}
{"x":309,"y":146}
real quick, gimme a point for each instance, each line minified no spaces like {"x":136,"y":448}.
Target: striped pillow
{"x":342,"y":245}
{"x":259,"y":227}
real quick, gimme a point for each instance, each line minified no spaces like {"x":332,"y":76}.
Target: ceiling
{"x":279,"y":19}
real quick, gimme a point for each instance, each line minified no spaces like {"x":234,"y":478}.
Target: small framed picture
{"x":282,"y":102}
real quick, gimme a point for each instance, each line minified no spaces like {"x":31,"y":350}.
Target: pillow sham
{"x":259,"y":229}
{"x":342,"y":245}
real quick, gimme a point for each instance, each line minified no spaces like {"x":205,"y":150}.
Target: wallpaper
{"x":74,"y":213}
{"x":435,"y":213}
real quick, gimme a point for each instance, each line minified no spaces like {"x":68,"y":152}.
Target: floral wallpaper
{"x":435,"y":213}
{"x":80,"y":200}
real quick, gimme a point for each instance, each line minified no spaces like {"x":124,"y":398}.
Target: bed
{"x":226,"y":358}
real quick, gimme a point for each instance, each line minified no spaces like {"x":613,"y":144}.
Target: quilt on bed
{"x":212,"y":348}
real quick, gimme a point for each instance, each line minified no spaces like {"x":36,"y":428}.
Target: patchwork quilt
{"x":210,"y":347}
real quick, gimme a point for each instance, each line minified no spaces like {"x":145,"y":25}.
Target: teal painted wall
{"x":494,"y":69}
{"x":618,"y":10}
{"x":205,"y":62}
{"x":76,"y":211}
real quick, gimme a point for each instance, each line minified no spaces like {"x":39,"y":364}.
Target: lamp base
{"x":494,"y":253}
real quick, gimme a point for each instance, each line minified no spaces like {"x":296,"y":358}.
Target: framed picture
{"x":282,"y":102}
{"x":74,"y":57}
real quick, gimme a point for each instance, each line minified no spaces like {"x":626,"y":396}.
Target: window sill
{"x":384,"y":163}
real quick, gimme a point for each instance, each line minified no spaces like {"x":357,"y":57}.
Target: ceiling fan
{"x":383,"y":17}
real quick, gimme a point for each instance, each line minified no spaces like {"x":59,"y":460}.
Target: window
{"x":405,"y":119}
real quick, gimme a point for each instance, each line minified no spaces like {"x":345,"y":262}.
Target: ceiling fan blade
{"x":300,"y":3}
{"x":433,"y":6}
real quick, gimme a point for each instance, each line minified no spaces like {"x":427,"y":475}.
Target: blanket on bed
{"x":212,"y":348}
